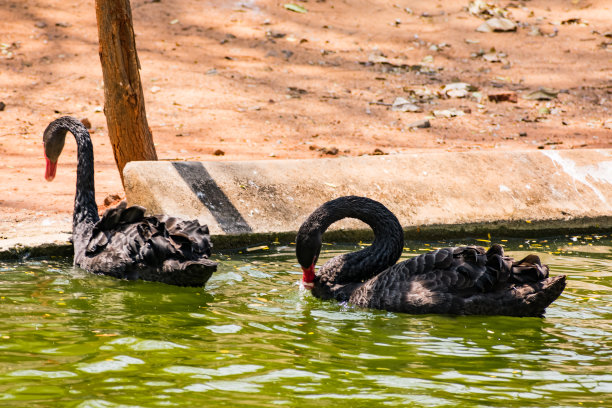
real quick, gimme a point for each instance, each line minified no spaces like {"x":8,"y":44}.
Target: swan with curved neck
{"x":125,"y":243}
{"x":457,"y":280}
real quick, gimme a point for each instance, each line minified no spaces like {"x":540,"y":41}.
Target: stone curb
{"x":566,"y":188}
{"x":434,"y":195}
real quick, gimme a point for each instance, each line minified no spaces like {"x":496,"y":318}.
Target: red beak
{"x":50,"y":170}
{"x":308,"y":276}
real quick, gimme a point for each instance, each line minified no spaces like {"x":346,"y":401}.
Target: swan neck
{"x":385,"y":250}
{"x":85,"y":209}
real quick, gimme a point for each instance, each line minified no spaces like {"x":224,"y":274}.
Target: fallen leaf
{"x":542,"y":94}
{"x":482,"y":8}
{"x":574,"y":20}
{"x":332,"y":151}
{"x":422,"y":94}
{"x":296,"y":92}
{"x":448,"y":113}
{"x":458,"y":89}
{"x":493,"y":57}
{"x":274,"y":34}
{"x":403,"y":105}
{"x":497,"y":24}
{"x":258,"y":248}
{"x":428,"y":59}
{"x":421,"y":124}
{"x":377,"y":56}
{"x":295,"y":8}
{"x":535,"y":31}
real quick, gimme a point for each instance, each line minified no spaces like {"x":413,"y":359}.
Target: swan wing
{"x":126,"y":244}
{"x":462,"y":280}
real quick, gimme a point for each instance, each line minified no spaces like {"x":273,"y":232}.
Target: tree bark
{"x":124,"y":105}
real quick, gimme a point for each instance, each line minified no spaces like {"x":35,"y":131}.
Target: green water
{"x":251,"y":338}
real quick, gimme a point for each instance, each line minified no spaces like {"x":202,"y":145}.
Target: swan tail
{"x":528,"y":270}
{"x":528,"y":299}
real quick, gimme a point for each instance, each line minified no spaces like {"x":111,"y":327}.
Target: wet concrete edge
{"x":496,"y":229}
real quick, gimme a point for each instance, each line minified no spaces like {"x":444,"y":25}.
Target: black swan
{"x":125,"y":243}
{"x":461,"y":280}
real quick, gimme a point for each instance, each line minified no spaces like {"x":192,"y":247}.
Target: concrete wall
{"x":550,"y":190}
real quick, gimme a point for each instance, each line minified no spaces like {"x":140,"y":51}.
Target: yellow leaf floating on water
{"x":257,"y":248}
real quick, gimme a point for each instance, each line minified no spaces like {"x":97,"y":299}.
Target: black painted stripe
{"x":210,"y":194}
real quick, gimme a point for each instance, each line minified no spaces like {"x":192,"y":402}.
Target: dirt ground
{"x":252,"y":79}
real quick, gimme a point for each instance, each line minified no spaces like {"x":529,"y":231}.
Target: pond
{"x":251,"y":338}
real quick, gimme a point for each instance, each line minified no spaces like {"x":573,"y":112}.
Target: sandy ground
{"x":254,"y":80}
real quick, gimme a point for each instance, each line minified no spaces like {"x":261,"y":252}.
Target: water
{"x":251,"y":338}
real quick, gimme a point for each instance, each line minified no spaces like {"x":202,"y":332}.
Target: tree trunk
{"x":124,"y":105}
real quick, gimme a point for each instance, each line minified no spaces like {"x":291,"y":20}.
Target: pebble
{"x":86,"y":123}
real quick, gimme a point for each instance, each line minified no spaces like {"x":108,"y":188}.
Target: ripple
{"x":98,"y":403}
{"x":42,"y":374}
{"x":367,"y":356}
{"x":214,"y":372}
{"x":151,"y":345}
{"x":236,"y":386}
{"x":117,"y":363}
{"x":288,"y":373}
{"x":226,"y":329}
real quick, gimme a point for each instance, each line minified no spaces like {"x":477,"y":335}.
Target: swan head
{"x":307,"y":249}
{"x":53,"y":141}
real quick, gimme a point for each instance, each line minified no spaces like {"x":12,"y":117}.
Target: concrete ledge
{"x":432,"y":194}
{"x":52,"y":244}
{"x":43,"y":247}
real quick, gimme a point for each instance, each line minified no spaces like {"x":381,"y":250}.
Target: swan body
{"x":125,"y":243}
{"x":457,"y":280}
